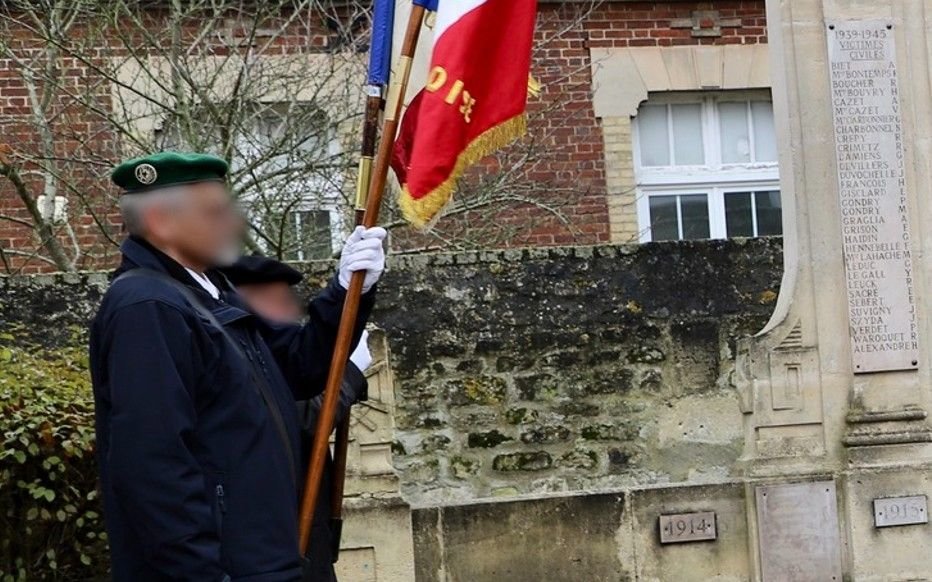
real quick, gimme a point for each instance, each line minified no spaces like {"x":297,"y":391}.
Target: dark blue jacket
{"x":196,"y":477}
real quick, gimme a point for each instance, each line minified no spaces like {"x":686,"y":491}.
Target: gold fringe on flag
{"x":422,"y":211}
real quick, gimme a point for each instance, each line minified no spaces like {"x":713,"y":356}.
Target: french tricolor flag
{"x":474,"y":101}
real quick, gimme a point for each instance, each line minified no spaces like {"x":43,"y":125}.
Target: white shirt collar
{"x":205,"y":283}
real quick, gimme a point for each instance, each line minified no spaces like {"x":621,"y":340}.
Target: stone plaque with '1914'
{"x":873,"y":196}
{"x":687,"y":527}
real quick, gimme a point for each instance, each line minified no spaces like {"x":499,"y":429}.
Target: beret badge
{"x":146,"y":174}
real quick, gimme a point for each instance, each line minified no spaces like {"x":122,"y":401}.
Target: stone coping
{"x":403,"y":261}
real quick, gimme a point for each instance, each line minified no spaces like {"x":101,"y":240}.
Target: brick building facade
{"x":597,"y":173}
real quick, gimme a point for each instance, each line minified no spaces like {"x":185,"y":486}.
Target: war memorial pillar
{"x":836,"y":390}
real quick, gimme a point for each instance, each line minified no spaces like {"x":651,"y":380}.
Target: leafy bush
{"x":51,"y":526}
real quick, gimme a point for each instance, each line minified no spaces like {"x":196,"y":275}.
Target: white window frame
{"x":715,"y":199}
{"x":713,"y":178}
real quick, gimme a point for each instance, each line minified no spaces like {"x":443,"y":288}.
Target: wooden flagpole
{"x":370,"y":134}
{"x":321,"y":443}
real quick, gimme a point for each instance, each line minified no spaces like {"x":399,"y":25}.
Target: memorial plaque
{"x":873,"y":197}
{"x":894,"y":511}
{"x":687,"y":527}
{"x":798,"y":532}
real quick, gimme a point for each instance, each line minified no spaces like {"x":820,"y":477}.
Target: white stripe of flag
{"x":449,"y":11}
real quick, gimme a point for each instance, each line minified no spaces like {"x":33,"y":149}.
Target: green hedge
{"x":51,"y":526}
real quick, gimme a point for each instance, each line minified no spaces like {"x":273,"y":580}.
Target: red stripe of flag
{"x":474,"y":102}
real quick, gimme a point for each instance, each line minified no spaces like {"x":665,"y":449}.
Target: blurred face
{"x":273,"y":301}
{"x":202,"y":228}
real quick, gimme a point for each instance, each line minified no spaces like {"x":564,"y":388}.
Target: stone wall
{"x":537,"y":370}
{"x":50,"y":310}
{"x":525,"y":371}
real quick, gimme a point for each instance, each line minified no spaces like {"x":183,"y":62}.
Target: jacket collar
{"x":140,"y":253}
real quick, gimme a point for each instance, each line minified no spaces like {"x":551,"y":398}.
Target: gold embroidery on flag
{"x":533,"y":87}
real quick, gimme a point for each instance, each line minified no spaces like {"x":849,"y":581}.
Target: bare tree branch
{"x":274,"y":87}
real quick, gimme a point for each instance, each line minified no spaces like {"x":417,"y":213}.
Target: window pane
{"x":652,"y":135}
{"x":736,"y":144}
{"x":313,"y":234}
{"x":738,"y":220}
{"x":687,"y":135}
{"x":765,"y":140}
{"x":299,"y":235}
{"x":663,"y":222}
{"x":769,"y":213}
{"x":695,"y":211}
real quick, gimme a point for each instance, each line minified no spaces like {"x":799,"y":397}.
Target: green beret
{"x":167,"y":169}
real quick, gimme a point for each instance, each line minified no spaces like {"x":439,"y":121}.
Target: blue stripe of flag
{"x":380,"y":47}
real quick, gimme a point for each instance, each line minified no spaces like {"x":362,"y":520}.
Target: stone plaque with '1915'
{"x":894,"y":511}
{"x":687,"y":527}
{"x":874,"y":204}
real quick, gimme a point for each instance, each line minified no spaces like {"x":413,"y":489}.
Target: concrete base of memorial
{"x":656,"y":534}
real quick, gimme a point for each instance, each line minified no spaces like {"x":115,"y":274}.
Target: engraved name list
{"x":873,"y":197}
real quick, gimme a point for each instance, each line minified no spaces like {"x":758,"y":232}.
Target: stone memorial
{"x":836,"y":388}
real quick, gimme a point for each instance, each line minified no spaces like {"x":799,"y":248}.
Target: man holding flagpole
{"x":198,"y":435}
{"x":196,"y":440}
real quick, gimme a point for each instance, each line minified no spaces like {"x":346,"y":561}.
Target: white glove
{"x":361,"y":357}
{"x":363,"y":251}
